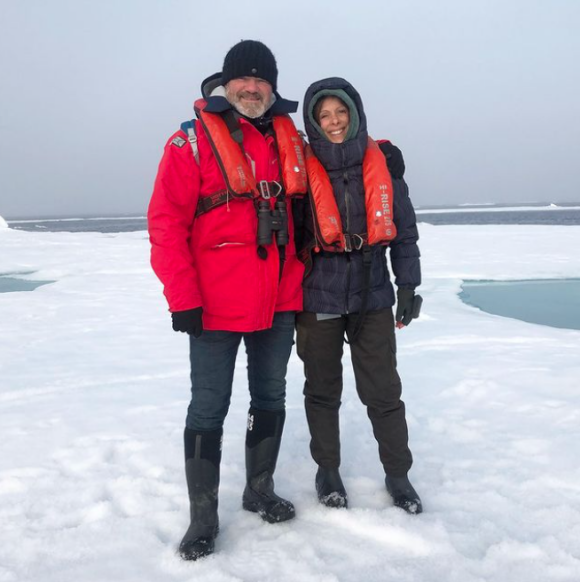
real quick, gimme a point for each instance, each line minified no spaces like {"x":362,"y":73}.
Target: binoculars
{"x":272,"y":221}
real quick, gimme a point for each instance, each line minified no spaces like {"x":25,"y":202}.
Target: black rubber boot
{"x":202,"y":470}
{"x":403,"y":494}
{"x":262,"y":447}
{"x":331,"y":491}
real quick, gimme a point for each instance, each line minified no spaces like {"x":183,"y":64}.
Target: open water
{"x":564,"y":214}
{"x":531,"y":301}
{"x":564,"y":217}
{"x":16,"y":282}
{"x":553,"y":302}
{"x":89,"y":224}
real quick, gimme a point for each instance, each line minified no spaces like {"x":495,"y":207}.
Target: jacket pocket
{"x":228,"y":244}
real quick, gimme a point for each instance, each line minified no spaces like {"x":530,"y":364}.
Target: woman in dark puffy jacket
{"x":348,"y":297}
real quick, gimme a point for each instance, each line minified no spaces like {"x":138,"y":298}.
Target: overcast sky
{"x":482,"y":96}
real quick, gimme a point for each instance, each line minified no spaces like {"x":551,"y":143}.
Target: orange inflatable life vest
{"x":234,"y":166}
{"x":378,"y":187}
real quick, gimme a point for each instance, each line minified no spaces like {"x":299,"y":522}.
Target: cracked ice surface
{"x":93,"y":393}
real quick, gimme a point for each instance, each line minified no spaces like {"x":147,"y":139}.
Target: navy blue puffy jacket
{"x":335,"y":282}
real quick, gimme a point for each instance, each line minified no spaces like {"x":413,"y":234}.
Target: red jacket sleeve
{"x":170,"y":220}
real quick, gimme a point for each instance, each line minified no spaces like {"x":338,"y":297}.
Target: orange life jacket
{"x":234,"y":166}
{"x":378,"y":188}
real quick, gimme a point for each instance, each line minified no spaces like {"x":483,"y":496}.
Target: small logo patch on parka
{"x":178,"y":141}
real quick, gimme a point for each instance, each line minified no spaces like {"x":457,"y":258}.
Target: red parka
{"x":212,"y":260}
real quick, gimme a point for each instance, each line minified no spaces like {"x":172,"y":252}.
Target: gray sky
{"x":482,"y":96}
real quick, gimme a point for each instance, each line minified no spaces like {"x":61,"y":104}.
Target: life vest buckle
{"x":353,"y":242}
{"x":265,"y":192}
{"x":359,"y":241}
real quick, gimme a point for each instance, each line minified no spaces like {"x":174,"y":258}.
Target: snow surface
{"x":3,"y":223}
{"x":93,"y":394}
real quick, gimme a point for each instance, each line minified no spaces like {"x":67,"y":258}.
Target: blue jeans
{"x":213,"y":359}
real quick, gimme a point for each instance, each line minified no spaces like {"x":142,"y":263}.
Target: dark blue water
{"x":567,"y":214}
{"x":110,"y":224}
{"x":553,"y":302}
{"x":562,"y":213}
{"x":560,"y":217}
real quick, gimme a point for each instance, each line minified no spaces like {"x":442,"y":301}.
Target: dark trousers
{"x":320,"y":346}
{"x":213,"y":359}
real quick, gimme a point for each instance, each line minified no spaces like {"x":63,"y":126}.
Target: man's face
{"x":251,"y":96}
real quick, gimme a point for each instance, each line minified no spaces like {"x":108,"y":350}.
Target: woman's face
{"x":334,"y":119}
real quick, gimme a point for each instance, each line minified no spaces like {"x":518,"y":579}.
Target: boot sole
{"x":193,"y":552}
{"x":412,"y":507}
{"x":334,"y":500}
{"x":257,"y":508}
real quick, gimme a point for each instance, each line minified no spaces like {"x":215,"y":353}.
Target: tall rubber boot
{"x":202,"y":470}
{"x":262,"y":446}
{"x":403,"y":494}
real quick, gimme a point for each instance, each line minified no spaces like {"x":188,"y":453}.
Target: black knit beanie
{"x":250,"y":58}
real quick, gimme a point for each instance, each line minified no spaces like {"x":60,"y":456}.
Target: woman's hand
{"x":408,"y":307}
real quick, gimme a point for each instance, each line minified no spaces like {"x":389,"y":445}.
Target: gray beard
{"x":252,"y":111}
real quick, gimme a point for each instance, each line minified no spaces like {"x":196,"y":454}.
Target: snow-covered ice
{"x":93,"y":394}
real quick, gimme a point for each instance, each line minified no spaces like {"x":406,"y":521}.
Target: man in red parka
{"x":221,"y":231}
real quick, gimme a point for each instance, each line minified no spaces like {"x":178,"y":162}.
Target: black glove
{"x":188,"y":321}
{"x":408,"y":306}
{"x":395,"y":161}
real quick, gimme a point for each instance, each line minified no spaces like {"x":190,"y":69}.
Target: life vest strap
{"x":207,"y":203}
{"x":221,"y":197}
{"x":192,"y":138}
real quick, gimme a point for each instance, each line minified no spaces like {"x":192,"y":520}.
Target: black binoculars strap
{"x":282,"y":255}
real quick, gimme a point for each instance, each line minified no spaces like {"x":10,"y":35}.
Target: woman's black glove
{"x":188,"y":321}
{"x":408,"y":306}
{"x":395,"y":161}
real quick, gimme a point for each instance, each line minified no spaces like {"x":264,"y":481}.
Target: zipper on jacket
{"x":347,"y":279}
{"x":347,"y":231}
{"x":346,"y":200}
